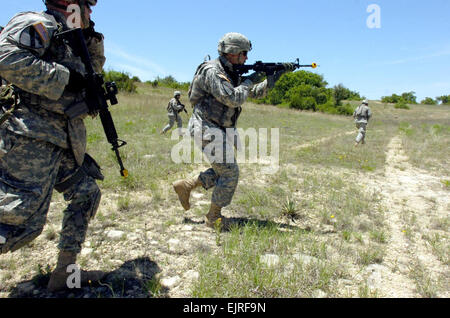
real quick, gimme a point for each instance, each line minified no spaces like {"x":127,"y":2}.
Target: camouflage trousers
{"x":29,"y":170}
{"x":172,"y":122}
{"x":223,"y":175}
{"x":361,"y":132}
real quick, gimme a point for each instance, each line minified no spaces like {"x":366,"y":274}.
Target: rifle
{"x":98,"y":93}
{"x":268,"y":68}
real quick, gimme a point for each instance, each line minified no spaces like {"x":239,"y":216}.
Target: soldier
{"x":217,"y":94}
{"x":362,"y":116}
{"x":41,"y":148}
{"x":174,"y":108}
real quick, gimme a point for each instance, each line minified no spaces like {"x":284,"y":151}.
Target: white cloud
{"x":440,"y":53}
{"x":118,"y":58}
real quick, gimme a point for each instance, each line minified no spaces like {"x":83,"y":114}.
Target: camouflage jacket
{"x":38,"y":66}
{"x":174,"y":107}
{"x":218,"y":95}
{"x":362,"y":114}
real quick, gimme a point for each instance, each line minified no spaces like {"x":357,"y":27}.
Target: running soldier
{"x":362,"y":116}
{"x":217,"y":93}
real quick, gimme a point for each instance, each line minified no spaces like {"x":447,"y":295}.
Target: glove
{"x":77,"y":82}
{"x":256,"y":77}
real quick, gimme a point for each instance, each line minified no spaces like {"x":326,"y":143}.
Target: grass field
{"x":327,"y":224}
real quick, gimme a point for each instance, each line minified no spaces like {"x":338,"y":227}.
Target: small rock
{"x":148,"y":156}
{"x":197,"y":195}
{"x":270,"y":260}
{"x":318,"y":293}
{"x":187,"y":228}
{"x":174,"y":244}
{"x":191,"y":275}
{"x":115,"y":235}
{"x":86,"y":251}
{"x":170,"y":282}
{"x":202,"y":202}
{"x":305,"y":259}
{"x":132,"y":237}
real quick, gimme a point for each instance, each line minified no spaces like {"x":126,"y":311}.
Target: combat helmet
{"x":365,"y":102}
{"x":177,"y":93}
{"x":90,"y":2}
{"x":234,"y":43}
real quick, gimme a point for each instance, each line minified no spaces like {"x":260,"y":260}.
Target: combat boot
{"x":213,"y":216}
{"x":183,"y":188}
{"x":58,"y":278}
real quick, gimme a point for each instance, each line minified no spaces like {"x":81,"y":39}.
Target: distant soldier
{"x":362,"y":116}
{"x":42,"y":148}
{"x":174,"y":108}
{"x":217,"y":93}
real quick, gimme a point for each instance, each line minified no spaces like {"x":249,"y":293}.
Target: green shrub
{"x":123,"y":81}
{"x":428,"y":101}
{"x":409,"y":98}
{"x":444,"y":100}
{"x":303,"y":103}
{"x":401,"y":105}
{"x":171,"y":82}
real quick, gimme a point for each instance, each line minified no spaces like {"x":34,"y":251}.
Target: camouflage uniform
{"x":217,"y":95}
{"x":173,"y":112}
{"x":41,"y":149}
{"x":362,"y":116}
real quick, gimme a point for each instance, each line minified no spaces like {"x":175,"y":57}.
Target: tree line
{"x":301,"y":90}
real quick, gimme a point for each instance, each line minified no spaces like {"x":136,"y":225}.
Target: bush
{"x":409,"y":98}
{"x":346,"y":110}
{"x":123,"y":81}
{"x":401,"y":105}
{"x":303,"y":103}
{"x":307,"y":91}
{"x":428,"y":101}
{"x":444,"y":100}
{"x":170,"y":81}
{"x":342,"y":93}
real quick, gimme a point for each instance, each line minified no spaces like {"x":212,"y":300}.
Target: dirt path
{"x":412,"y":200}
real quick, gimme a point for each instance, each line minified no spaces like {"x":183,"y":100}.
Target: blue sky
{"x":409,"y":52}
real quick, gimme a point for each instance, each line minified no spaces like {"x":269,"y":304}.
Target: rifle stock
{"x":98,"y":93}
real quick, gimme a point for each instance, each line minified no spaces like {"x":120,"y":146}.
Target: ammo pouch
{"x":89,"y":167}
{"x":8,"y":100}
{"x":76,"y":110}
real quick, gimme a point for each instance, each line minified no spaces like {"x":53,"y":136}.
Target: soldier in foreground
{"x":217,"y":93}
{"x":41,"y":147}
{"x":174,"y":108}
{"x":362,"y":116}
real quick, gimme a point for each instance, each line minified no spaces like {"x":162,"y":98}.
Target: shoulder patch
{"x":224,"y":77}
{"x":42,"y":32}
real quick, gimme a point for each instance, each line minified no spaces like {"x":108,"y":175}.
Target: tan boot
{"x":58,"y":278}
{"x":213,"y":216}
{"x":183,"y":188}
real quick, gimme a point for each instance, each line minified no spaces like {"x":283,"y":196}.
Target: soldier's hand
{"x":256,"y":77}
{"x":77,"y":82}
